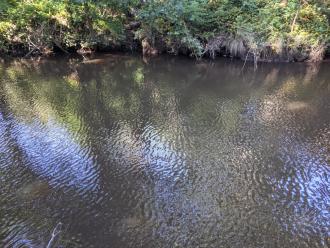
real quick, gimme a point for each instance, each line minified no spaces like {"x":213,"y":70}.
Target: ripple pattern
{"x":178,"y":157}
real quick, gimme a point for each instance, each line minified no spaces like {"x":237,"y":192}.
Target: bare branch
{"x":57,"y":230}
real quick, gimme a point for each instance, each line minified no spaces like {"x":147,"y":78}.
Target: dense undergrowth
{"x":269,"y":30}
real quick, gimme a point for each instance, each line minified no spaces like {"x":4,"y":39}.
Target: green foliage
{"x":283,"y":28}
{"x":180,"y":23}
{"x":38,"y":24}
{"x":298,"y":26}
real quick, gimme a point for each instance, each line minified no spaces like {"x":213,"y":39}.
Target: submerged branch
{"x":57,"y":230}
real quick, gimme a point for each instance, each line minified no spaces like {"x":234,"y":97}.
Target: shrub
{"x":254,"y":29}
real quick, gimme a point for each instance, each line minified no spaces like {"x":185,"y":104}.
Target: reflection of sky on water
{"x":19,"y":236}
{"x":314,"y":182}
{"x":306,"y":182}
{"x":313,"y":178}
{"x":161,"y":156}
{"x":3,"y":146}
{"x":169,"y":166}
{"x":149,"y":150}
{"x":53,"y":153}
{"x":301,"y":193}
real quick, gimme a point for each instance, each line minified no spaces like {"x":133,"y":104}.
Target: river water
{"x":118,"y":151}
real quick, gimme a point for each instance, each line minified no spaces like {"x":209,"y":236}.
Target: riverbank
{"x":146,"y":50}
{"x":275,"y":30}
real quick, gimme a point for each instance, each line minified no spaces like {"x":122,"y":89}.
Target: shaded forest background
{"x":266,"y":30}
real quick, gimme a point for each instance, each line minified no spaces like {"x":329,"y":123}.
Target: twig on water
{"x":245,"y":59}
{"x":57,"y":230}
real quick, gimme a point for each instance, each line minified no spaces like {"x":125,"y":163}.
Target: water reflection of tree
{"x":112,"y":107}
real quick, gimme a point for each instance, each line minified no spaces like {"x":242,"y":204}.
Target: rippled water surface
{"x":164,"y":153}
